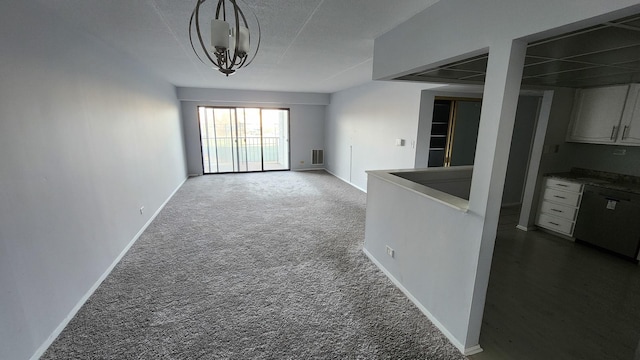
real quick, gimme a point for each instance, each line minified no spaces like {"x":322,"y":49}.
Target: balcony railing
{"x":243,"y":151}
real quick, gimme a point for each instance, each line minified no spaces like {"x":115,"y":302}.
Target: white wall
{"x":362,"y":125}
{"x":87,"y":137}
{"x":306,"y":117}
{"x":435,"y":267}
{"x":524,"y":128}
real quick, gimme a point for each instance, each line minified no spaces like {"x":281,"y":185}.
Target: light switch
{"x":399,"y":142}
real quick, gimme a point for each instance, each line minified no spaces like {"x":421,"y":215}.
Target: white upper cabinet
{"x":606,"y":115}
{"x":597,"y":113}
{"x":630,"y":124}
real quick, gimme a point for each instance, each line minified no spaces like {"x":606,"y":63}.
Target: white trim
{"x":473,"y":350}
{"x":526,"y":228}
{"x":45,"y":345}
{"x":465,"y":351}
{"x":350,"y":183}
{"x":513,"y":204}
{"x":310,"y":169}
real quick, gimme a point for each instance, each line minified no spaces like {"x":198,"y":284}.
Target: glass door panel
{"x":253,"y":139}
{"x":275,"y":139}
{"x":241,"y":140}
{"x":208,"y":140}
{"x":224,"y":140}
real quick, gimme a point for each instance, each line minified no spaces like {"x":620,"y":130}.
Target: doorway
{"x":454,"y":131}
{"x":237,"y":139}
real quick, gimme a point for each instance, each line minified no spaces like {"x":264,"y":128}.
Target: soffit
{"x":605,"y":54}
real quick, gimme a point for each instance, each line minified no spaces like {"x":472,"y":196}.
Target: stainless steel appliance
{"x":610,"y":219}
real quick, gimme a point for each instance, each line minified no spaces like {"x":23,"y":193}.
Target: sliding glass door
{"x":243,"y":139}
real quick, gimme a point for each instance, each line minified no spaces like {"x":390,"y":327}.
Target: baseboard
{"x":310,"y":169}
{"x":348,"y":182}
{"x":42,"y":348}
{"x":465,"y":351}
{"x":508,"y":205}
{"x":473,"y":350}
{"x":526,"y":228}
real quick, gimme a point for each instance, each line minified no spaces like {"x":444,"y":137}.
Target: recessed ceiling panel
{"x":623,"y":55}
{"x":630,"y":21}
{"x":532,"y":60}
{"x":551,"y":67}
{"x":603,"y":81}
{"x":478,"y":64}
{"x":632,"y":65}
{"x":449,"y":74}
{"x":592,"y":73}
{"x":602,"y":39}
{"x":476,"y":78}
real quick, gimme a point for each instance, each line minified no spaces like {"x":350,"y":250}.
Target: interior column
{"x":500,"y":99}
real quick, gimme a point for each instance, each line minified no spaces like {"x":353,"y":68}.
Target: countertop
{"x":601,"y":179}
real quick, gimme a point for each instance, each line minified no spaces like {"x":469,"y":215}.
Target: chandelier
{"x":227,"y":46}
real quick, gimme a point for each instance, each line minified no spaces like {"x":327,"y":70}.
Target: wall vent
{"x":317,"y":157}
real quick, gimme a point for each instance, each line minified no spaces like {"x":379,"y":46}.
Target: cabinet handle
{"x":624,"y":132}
{"x":552,"y":223}
{"x":562,"y":185}
{"x":556,"y":210}
{"x":559,"y":197}
{"x":613,"y":132}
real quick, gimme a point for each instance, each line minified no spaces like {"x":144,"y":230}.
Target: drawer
{"x":562,"y":211}
{"x":556,"y":224}
{"x":562,"y":197}
{"x":564,"y":185}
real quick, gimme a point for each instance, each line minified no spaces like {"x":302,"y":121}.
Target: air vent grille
{"x":317,"y":157}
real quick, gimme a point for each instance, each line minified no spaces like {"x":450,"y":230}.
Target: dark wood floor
{"x":551,"y":298}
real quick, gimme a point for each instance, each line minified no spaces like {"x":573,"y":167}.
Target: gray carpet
{"x":252,"y":266}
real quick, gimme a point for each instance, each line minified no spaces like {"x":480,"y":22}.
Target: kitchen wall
{"x":306,"y":117}
{"x":602,"y":157}
{"x":362,"y":125}
{"x":524,"y":127}
{"x":87,"y":137}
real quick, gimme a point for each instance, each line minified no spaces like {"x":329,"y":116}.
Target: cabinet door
{"x":630,"y":125}
{"x":597,"y":114}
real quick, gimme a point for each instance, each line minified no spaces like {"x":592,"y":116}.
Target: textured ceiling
{"x":600,"y":55}
{"x":307,"y":45}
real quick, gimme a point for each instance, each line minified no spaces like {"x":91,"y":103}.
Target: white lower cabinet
{"x":559,"y":205}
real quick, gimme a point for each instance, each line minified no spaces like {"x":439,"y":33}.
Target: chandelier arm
{"x":236,"y":10}
{"x":191,"y":38}
{"x":259,"y":38}
{"x":204,"y":47}
{"x":244,"y":19}
{"x":241,"y":64}
{"x":221,"y":5}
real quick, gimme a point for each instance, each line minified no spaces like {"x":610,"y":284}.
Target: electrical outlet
{"x":141,"y":210}
{"x":390,"y":251}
